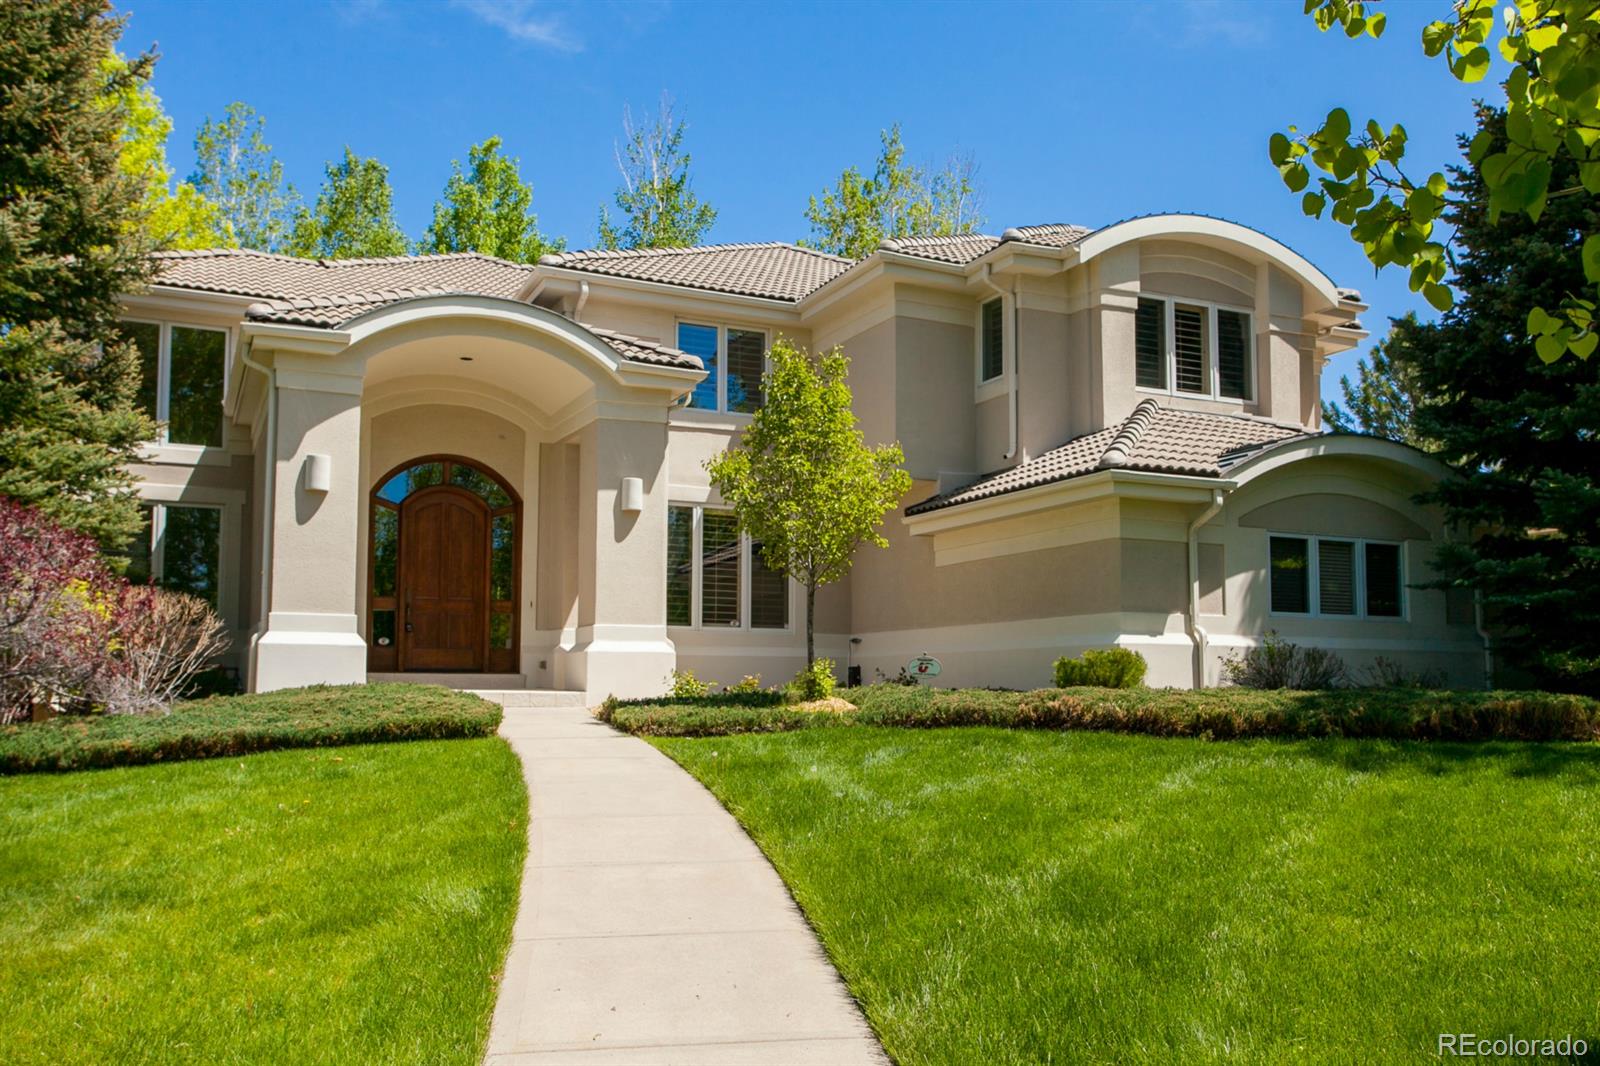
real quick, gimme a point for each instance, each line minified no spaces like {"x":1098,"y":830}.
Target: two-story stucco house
{"x":458,"y":465}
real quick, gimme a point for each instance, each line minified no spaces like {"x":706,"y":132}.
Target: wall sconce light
{"x":632,"y":495}
{"x":319,"y":472}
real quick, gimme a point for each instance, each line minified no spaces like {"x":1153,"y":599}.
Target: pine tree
{"x":236,"y":170}
{"x":488,"y":210}
{"x":1523,"y":432}
{"x":659,"y":209}
{"x":353,"y":217}
{"x":72,"y":241}
{"x":1381,"y":400}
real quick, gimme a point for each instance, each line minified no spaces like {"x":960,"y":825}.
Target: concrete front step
{"x":531,"y":698}
{"x":466,"y":681}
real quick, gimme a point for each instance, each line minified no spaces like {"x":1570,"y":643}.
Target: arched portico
{"x":544,"y":417}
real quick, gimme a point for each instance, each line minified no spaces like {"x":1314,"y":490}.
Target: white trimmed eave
{"x":659,"y":294}
{"x":172,"y":300}
{"x":1126,"y":484}
{"x":1425,"y":468}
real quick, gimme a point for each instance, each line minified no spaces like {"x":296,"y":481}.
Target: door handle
{"x":408,"y":611}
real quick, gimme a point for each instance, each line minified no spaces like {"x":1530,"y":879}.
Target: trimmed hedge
{"x":320,"y":716}
{"x":1220,"y":714}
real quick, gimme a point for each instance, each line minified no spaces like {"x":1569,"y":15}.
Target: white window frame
{"x":163,"y":411}
{"x":1169,"y":353}
{"x":228,"y":503}
{"x":1314,"y":578}
{"x":746,"y":591}
{"x":1005,"y":343}
{"x":722,"y":327}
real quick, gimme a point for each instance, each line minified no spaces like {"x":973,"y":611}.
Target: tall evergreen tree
{"x":353,"y":217}
{"x":659,"y":208}
{"x":1383,"y":397}
{"x":1524,"y":432}
{"x":488,"y":210}
{"x":236,"y":171}
{"x":72,"y":241}
{"x":900,"y":199}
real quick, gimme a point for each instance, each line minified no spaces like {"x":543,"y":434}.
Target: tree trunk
{"x":811,"y":616}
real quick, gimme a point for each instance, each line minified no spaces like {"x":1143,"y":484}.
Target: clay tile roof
{"x":775,"y":270}
{"x":963,"y":248}
{"x":1153,"y":439}
{"x":643,"y":351}
{"x":282,"y":277}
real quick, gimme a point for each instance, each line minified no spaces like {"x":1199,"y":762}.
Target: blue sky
{"x":1076,"y":112}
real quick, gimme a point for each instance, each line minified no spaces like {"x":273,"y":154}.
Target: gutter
{"x":269,"y":491}
{"x":987,"y":277}
{"x":1197,"y":632}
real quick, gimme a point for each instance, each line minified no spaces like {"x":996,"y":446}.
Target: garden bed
{"x":1397,"y":714}
{"x":320,"y":716}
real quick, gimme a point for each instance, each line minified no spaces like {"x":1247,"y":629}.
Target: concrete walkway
{"x":651,"y":929}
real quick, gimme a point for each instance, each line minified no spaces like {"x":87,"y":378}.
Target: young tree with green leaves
{"x":353,"y":217}
{"x":801,"y":479}
{"x":176,"y":216}
{"x":236,"y":171}
{"x":899,"y":200}
{"x":656,"y":198}
{"x":1551,"y":49}
{"x":1520,"y":429}
{"x":1382,"y":399}
{"x":72,"y":241}
{"x":488,"y":210}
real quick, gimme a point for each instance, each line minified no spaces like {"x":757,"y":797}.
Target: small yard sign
{"x":923,"y":666}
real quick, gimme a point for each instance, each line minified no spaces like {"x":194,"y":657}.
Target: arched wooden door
{"x":444,"y":580}
{"x":444,"y":567}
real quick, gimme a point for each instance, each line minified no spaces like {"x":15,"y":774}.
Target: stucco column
{"x":622,"y":646}
{"x":312,"y":636}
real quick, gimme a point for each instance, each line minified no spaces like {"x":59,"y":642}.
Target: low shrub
{"x":1216,"y":714}
{"x":1385,"y":672}
{"x":746,"y":684}
{"x":1103,"y":668}
{"x":815,"y":682}
{"x":1279,"y":664}
{"x":320,"y":716}
{"x":682,"y":685}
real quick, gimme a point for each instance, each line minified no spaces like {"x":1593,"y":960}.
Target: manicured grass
{"x":1005,"y":896}
{"x":319,"y":716}
{"x":1209,"y":713}
{"x":348,"y":905}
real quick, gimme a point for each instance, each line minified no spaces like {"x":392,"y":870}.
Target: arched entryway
{"x":445,"y":566}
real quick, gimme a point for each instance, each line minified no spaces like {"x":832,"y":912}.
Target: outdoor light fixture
{"x":319,"y":472}
{"x":632,"y":495}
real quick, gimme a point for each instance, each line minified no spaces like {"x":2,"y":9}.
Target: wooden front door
{"x":444,"y":580}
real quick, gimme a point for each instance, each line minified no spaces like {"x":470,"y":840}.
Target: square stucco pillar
{"x":622,"y":647}
{"x":311,"y":636}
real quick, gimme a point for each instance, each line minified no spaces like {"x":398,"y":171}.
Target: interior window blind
{"x":1148,"y":328}
{"x":1233,"y":354}
{"x":993,"y":340}
{"x":769,"y":594}
{"x":1189,"y":348}
{"x":719,"y":569}
{"x":1336,"y":576}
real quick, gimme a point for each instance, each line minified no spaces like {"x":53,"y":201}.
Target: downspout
{"x":1197,"y":633}
{"x":269,"y":489}
{"x":583,"y":298}
{"x":987,"y":277}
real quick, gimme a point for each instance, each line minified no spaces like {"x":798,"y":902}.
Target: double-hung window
{"x":1336,"y":577}
{"x":1193,"y":349}
{"x":716,"y":579}
{"x":735,"y":360}
{"x":181,"y":371}
{"x":179,"y":547}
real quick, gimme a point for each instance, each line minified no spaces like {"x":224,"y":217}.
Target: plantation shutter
{"x":993,"y":340}
{"x":1383,"y":580}
{"x":1189,"y":348}
{"x":719,"y":569}
{"x":769,"y":594}
{"x":680,"y":565}
{"x":1290,"y":576}
{"x":1233,"y":354}
{"x":1149,"y":325}
{"x":1336,"y":576}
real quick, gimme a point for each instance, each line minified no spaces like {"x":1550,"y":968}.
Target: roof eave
{"x":1128,"y":484}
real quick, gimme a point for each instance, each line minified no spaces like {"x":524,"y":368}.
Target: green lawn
{"x":344,"y":905}
{"x":1000,"y":896}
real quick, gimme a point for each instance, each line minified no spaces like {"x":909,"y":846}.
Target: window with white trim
{"x":716,"y":578}
{"x":1336,"y":577}
{"x":735,"y":359}
{"x":181,"y":373}
{"x":1194,"y":349}
{"x":178,"y":547}
{"x":991,"y":340}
